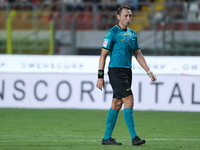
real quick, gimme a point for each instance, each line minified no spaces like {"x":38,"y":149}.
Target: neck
{"x":122,"y":26}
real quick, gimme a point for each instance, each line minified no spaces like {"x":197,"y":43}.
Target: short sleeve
{"x":108,"y":41}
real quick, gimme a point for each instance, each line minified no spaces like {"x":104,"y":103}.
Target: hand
{"x":152,"y":76}
{"x":100,"y":83}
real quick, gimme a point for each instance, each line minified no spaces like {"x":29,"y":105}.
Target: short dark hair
{"x":119,"y":10}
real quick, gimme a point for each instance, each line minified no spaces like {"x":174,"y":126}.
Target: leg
{"x":111,"y":121}
{"x":116,"y":104}
{"x":128,"y":115}
{"x":128,"y":101}
{"x":129,"y":118}
{"x":112,"y":117}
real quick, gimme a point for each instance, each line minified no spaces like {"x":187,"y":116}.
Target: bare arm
{"x":102,"y":59}
{"x":100,"y":82}
{"x":141,"y":60}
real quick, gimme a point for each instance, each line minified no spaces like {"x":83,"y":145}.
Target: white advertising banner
{"x":42,"y":90}
{"x":89,"y":64}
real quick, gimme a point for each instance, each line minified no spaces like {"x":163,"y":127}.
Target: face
{"x":124,"y":18}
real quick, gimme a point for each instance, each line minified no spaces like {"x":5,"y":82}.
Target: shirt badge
{"x":105,"y":42}
{"x":128,"y":39}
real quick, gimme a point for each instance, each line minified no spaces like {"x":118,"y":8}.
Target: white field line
{"x":10,"y":141}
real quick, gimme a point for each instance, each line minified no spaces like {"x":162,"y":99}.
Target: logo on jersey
{"x":108,"y":34}
{"x":128,"y":89}
{"x":128,"y":39}
{"x":105,"y":42}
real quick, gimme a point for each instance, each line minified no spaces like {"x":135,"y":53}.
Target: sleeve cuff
{"x":105,"y":49}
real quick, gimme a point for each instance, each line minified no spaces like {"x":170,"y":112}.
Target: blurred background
{"x":77,"y":27}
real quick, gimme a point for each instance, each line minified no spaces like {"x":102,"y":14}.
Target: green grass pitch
{"x":61,"y":129}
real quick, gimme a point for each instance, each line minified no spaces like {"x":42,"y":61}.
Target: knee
{"x":117,"y":105}
{"x":129,"y":102}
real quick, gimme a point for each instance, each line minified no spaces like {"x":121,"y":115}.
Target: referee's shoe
{"x":110,"y":141}
{"x":137,"y":141}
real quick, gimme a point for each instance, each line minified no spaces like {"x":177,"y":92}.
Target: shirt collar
{"x":120,"y":27}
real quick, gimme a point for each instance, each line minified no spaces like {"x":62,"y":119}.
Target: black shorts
{"x":120,"y":80}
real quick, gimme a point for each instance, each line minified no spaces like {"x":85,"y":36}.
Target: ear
{"x":118,"y":17}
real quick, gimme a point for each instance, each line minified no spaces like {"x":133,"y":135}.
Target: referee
{"x":121,"y":42}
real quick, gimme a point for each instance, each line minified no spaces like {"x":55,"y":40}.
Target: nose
{"x":129,"y":17}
